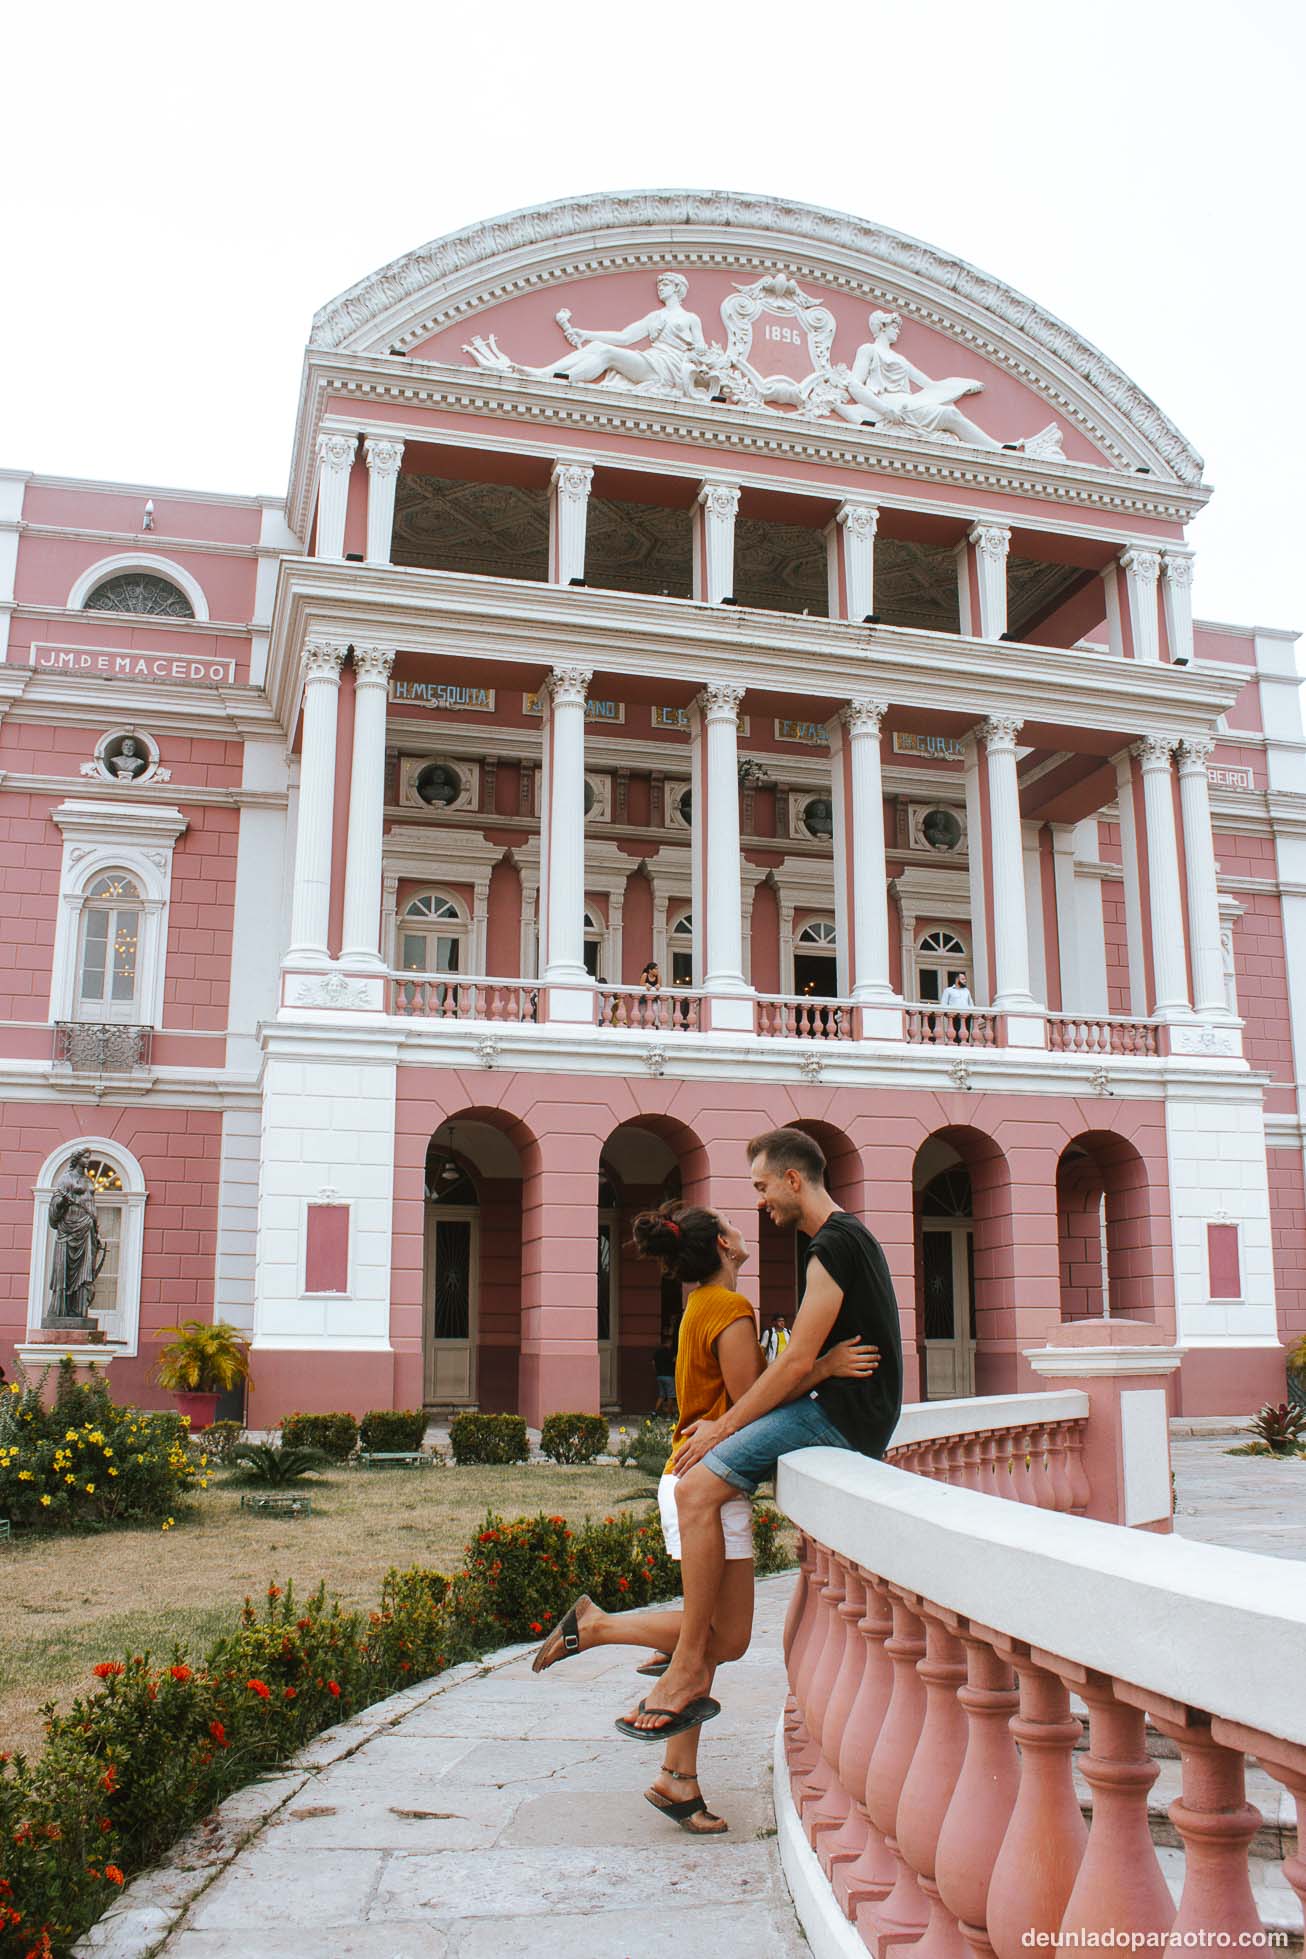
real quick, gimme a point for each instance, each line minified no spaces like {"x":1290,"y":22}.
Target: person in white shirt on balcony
{"x":957,"y":994}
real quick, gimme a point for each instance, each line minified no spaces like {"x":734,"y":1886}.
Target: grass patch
{"x":66,"y":1602}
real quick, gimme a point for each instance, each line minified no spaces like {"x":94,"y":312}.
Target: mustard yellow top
{"x":700,"y":1386}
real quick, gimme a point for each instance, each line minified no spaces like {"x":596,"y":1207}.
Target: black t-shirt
{"x":865,"y":1411}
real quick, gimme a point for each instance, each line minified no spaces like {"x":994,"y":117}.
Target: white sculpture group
{"x":666,"y":353}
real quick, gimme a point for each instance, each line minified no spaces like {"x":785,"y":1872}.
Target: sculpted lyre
{"x":675,"y":361}
{"x":79,"y":1251}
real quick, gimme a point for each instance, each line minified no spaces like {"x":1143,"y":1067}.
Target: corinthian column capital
{"x":322,"y":659}
{"x":373,"y":664}
{"x":863,"y":715}
{"x":720,"y":700}
{"x":569,"y":685}
{"x":1195,"y":752}
{"x":1154,"y":751}
{"x":999,"y":732}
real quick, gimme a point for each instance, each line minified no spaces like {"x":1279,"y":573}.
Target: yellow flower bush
{"x":89,"y":1462}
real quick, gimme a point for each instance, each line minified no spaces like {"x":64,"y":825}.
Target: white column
{"x":717,"y":714}
{"x":1177,"y":604}
{"x":310,"y":908}
{"x":361,"y":934}
{"x":480,"y":924}
{"x":851,"y":539}
{"x":1203,"y":893}
{"x":1142,"y":568}
{"x":981,"y":976}
{"x":715,"y":538}
{"x":1010,"y":931}
{"x":867,"y":882}
{"x":563,"y":880}
{"x":1139,"y":1004}
{"x":1169,"y":969}
{"x":335,"y":459}
{"x":383,"y":457}
{"x":991,"y":542}
{"x":569,"y":498}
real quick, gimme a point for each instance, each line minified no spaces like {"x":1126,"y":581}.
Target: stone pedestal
{"x":1121,"y":1366}
{"x":40,"y":1355}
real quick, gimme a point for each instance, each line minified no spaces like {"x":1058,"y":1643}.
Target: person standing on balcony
{"x":848,"y":1294}
{"x":957,"y":994}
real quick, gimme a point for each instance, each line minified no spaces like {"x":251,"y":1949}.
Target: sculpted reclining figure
{"x":676,"y":360}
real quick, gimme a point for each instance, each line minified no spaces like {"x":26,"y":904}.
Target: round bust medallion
{"x":818,"y":817}
{"x":940,"y":829}
{"x":439,"y":784}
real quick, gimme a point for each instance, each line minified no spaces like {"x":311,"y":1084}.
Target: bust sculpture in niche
{"x":818,"y":817}
{"x":127,"y":762}
{"x":438,"y":785}
{"x":940,"y":829}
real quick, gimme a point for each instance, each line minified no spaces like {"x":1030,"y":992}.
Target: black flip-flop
{"x":570,"y":1632}
{"x":684,"y":1813}
{"x":677,"y":1722}
{"x":654,"y":1669}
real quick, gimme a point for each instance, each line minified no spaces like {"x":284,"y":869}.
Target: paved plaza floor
{"x":494,"y":1812}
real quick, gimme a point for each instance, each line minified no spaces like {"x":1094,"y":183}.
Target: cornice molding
{"x":578,"y":414}
{"x":399,"y":303}
{"x":163,"y":622}
{"x":454,"y":615}
{"x":148,"y":541}
{"x":227,"y":713}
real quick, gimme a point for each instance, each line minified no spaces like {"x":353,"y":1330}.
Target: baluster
{"x":903,"y":1912}
{"x":931,"y":1780}
{"x":831,"y":1815}
{"x":798,"y":1598}
{"x":985,"y":1796}
{"x":954,"y":1454}
{"x":1054,"y":1443}
{"x":1040,"y":1474}
{"x":803,"y":1659}
{"x":987,"y":1443}
{"x":816,"y":1785}
{"x":1041,"y":1852}
{"x":872,"y":1873}
{"x":1119,"y":1883}
{"x":1216,"y":1824}
{"x":1081,"y":1494}
{"x":971,"y":1463}
{"x":1292,"y":1774}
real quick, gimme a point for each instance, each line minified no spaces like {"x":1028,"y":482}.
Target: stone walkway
{"x":492,"y":1812}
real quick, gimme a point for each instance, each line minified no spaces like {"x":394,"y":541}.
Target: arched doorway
{"x":947,"y":1268}
{"x":472,"y":1265}
{"x":451,"y":1269}
{"x":643,"y":1163}
{"x":1106,"y":1254}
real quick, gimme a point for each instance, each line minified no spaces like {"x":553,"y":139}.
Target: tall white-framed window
{"x":596,"y":943}
{"x":115,"y":883}
{"x":140,"y":583}
{"x":434,"y":934}
{"x":108,"y":950}
{"x":940,"y":956}
{"x":120,"y":1199}
{"x":816,"y":968}
{"x":680,"y":945}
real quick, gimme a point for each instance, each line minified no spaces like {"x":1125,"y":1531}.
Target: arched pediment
{"x":496,"y":289}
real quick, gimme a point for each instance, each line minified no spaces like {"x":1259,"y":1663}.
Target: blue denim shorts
{"x":750,"y":1457}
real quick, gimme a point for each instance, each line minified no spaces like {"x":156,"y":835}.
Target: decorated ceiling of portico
{"x":796,"y":284}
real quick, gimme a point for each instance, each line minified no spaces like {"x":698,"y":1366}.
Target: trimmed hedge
{"x":390,"y":1430}
{"x":475,"y":1438}
{"x":574,"y":1438}
{"x":335,"y":1436}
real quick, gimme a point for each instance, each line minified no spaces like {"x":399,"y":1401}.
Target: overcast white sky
{"x":184,"y":184}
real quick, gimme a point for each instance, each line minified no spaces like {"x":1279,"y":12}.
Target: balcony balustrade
{"x":445,"y":996}
{"x":798,"y":1017}
{"x":654,"y":1011}
{"x":926,"y":1784}
{"x":924,"y":1024}
{"x":97,"y":1047}
{"x":1102,"y":1034}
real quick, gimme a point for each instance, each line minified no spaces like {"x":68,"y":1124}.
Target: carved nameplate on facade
{"x":1230,"y":778}
{"x":937,"y":748}
{"x":443,"y":695}
{"x":613,"y":712}
{"x":676,"y":720}
{"x":121,"y":663}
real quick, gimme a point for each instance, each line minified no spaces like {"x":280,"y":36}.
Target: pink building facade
{"x":814,"y":622}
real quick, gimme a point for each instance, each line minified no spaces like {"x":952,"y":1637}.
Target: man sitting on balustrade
{"x":848,"y":1295}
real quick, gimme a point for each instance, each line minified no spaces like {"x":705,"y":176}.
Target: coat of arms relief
{"x":777,"y":354}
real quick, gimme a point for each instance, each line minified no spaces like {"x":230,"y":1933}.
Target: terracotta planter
{"x":201,"y":1408}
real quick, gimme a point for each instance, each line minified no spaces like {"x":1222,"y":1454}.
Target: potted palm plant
{"x":203,"y":1359}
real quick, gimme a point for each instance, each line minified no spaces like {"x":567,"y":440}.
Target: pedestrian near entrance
{"x":848,"y":1293}
{"x":776,"y":1338}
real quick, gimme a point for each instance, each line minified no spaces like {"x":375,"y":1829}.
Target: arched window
{"x":681,"y":940}
{"x":108,"y":963}
{"x":120,"y":1197}
{"x":139,"y":592}
{"x":940,"y":956}
{"x":816,"y":972}
{"x":432,"y":935}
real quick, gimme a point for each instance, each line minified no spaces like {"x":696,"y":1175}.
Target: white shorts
{"x":736,"y":1522}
